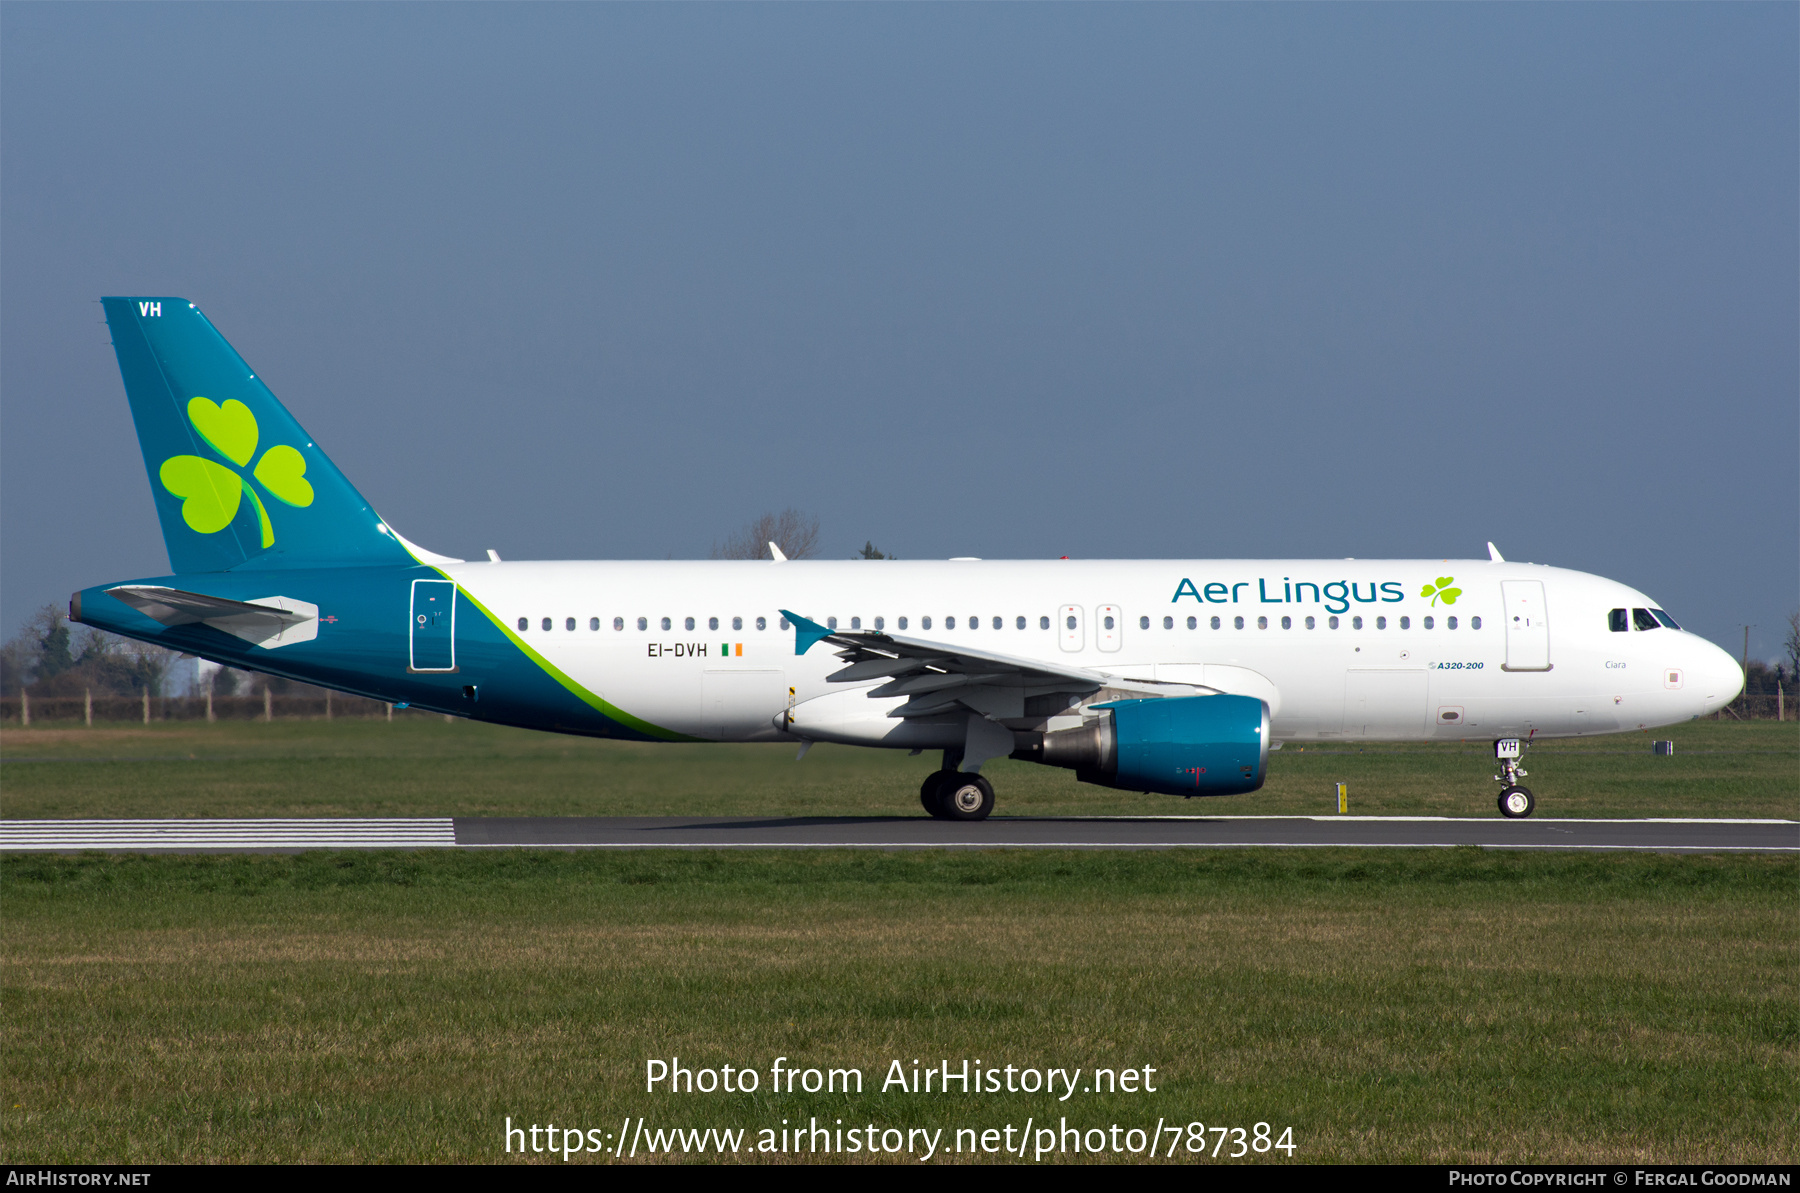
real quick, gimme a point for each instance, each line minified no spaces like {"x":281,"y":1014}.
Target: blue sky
{"x":605,"y":281}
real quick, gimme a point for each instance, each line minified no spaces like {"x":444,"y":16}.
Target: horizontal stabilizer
{"x":268,"y":621}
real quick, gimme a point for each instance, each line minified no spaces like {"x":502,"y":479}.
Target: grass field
{"x":1456,"y":1007}
{"x":425,"y":767}
{"x":1445,"y":1006}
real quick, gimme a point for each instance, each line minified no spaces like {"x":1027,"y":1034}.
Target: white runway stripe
{"x":47,"y":835}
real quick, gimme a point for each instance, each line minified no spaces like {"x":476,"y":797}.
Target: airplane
{"x":1177,"y":677}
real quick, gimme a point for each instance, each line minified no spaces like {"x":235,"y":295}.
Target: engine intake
{"x":1181,"y":745}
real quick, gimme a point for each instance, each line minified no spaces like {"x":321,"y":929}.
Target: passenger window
{"x":1071,"y":623}
{"x":903,"y":624}
{"x":1310,"y":624}
{"x":1043,"y":623}
{"x":925,"y":622}
{"x":547,"y":623}
{"x":1262,"y":623}
{"x":784,"y":623}
{"x":1381,"y":623}
{"x":1665,"y":619}
{"x":974,"y":623}
{"x":1406,"y":623}
{"x":1020,"y":623}
{"x":737,"y":623}
{"x":568,"y":623}
{"x":1109,"y":623}
{"x":712,"y":623}
{"x":593,"y":623}
{"x":1617,"y":622}
{"x":1215,"y":623}
{"x":831,"y":623}
{"x":666,"y":623}
{"x":856,"y":623}
{"x":1642,"y":620}
{"x":688,"y":622}
{"x":643,"y":623}
{"x":1237,"y":623}
{"x":1356,"y":623}
{"x":1450,"y":623}
{"x":881,"y":623}
{"x":1429,"y":623}
{"x":524,"y":623}
{"x":1168,"y":623}
{"x":1193,"y":623}
{"x":1287,"y":623}
{"x":1332,"y":623}
{"x":999,"y":623}
{"x":618,"y":623}
{"x":762,"y":623}
{"x":1144,"y":623}
{"x":1474,"y":623}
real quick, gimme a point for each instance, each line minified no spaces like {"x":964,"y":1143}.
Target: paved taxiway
{"x":900,"y":832}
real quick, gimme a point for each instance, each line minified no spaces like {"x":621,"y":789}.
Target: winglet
{"x":1494,"y":554}
{"x":806,"y":632}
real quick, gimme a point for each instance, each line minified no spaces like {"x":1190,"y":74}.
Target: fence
{"x":1762,"y":706}
{"x":326,"y":706}
{"x":96,"y":708}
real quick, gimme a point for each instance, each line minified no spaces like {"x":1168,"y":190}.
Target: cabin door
{"x":433,"y":626}
{"x":1527,"y":625}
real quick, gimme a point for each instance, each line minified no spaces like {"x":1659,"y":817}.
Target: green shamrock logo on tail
{"x":1442,"y":589}
{"x":211,"y":492}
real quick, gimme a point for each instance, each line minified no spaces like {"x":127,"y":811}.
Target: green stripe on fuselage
{"x":610,"y":711}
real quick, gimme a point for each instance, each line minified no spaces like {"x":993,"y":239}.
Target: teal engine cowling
{"x":1181,"y":745}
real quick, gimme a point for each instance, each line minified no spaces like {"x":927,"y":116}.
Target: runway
{"x":901,"y":832}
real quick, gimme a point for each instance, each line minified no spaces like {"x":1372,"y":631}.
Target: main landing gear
{"x":1516,"y":802}
{"x":957,"y":795}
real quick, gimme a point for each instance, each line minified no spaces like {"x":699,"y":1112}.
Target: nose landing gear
{"x":1516,"y":802}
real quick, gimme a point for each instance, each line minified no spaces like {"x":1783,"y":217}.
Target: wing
{"x":938,"y":678}
{"x":271,"y":621}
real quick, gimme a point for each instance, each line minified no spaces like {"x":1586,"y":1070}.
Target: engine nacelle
{"x":1179,"y":745}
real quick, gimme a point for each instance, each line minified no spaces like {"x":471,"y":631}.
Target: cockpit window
{"x":1665,"y":619}
{"x":1618,"y":622}
{"x":1642,"y":620}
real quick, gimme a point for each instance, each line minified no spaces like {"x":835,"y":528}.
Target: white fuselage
{"x":1340,"y":649}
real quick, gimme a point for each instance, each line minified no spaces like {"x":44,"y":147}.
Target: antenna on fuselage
{"x":775,"y":554}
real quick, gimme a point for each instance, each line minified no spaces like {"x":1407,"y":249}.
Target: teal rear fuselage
{"x":363,"y":647}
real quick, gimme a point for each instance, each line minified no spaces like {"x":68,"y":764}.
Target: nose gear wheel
{"x":1516,"y":803}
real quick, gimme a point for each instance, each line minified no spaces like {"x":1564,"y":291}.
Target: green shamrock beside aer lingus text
{"x":211,"y":492}
{"x":1442,"y":589}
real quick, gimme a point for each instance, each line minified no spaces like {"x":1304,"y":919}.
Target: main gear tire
{"x":931,"y":794}
{"x":967,"y":797}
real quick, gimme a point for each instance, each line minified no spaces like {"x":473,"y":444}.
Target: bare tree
{"x":797,"y":535}
{"x":1793,"y":641}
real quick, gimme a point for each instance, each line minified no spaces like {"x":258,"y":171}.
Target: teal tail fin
{"x":237,"y":481}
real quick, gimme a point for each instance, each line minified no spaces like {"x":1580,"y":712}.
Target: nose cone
{"x":1715,"y":678}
